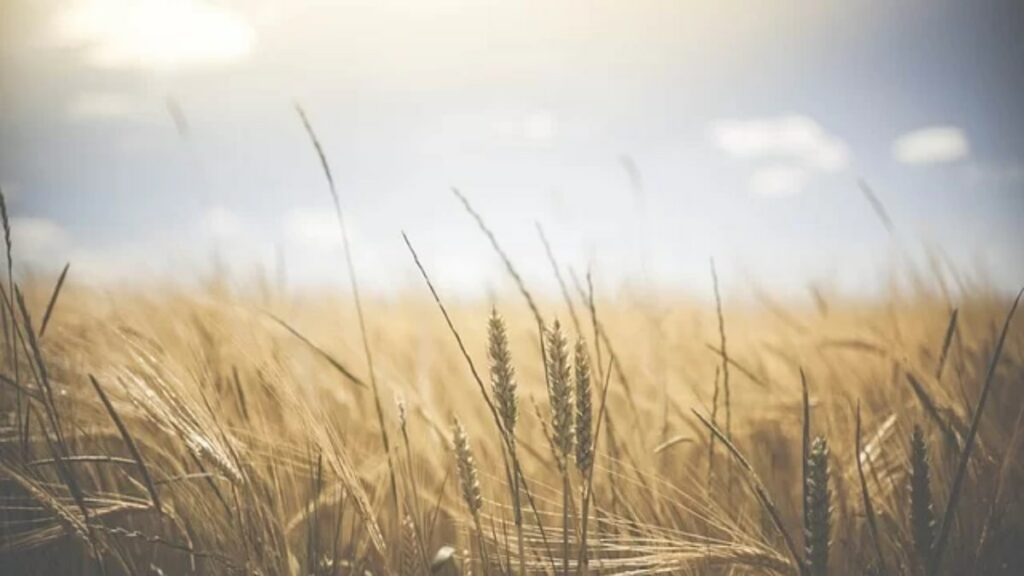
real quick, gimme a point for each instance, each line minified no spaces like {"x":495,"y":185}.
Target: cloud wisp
{"x":931,"y":145}
{"x":792,"y":150}
{"x":152,"y":34}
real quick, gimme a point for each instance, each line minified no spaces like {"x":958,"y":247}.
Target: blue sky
{"x":139,"y":138}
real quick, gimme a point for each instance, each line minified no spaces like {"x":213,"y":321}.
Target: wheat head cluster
{"x":165,"y":430}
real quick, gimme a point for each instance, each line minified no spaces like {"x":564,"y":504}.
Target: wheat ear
{"x":817,"y":509}
{"x":503,"y":385}
{"x":922,"y":512}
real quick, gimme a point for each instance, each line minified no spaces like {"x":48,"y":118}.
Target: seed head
{"x":402,"y":413}
{"x":503,"y":375}
{"x":468,"y":480}
{"x":922,"y":515}
{"x":560,"y":392}
{"x":411,"y":560}
{"x":584,"y":410}
{"x":817,"y":509}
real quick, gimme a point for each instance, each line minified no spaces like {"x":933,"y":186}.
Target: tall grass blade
{"x":958,"y":481}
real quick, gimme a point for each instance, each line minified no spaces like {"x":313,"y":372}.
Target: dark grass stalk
{"x":584,"y":431}
{"x":437,"y":505}
{"x":418,"y":518}
{"x":469,"y":483}
{"x":561,"y":281}
{"x":588,"y":485}
{"x":60,"y":453}
{"x":742,"y":369}
{"x":947,"y":341}
{"x":511,"y":269}
{"x":805,"y":439}
{"x":20,"y":389}
{"x":560,"y":398}
{"x":243,"y":406}
{"x":9,"y":249}
{"x":587,"y":296}
{"x":714,"y":420}
{"x":961,"y":473}
{"x":81,"y":459}
{"x":312,"y":543}
{"x":604,"y":376}
{"x":994,"y":515}
{"x":869,"y":509}
{"x":566,"y":527}
{"x":39,"y":372}
{"x":932,"y":409}
{"x":130,"y":443}
{"x":504,"y":257}
{"x":12,"y":333}
{"x":760,"y":491}
{"x":354,"y":285}
{"x":5,"y":217}
{"x":601,"y":337}
{"x":53,"y":299}
{"x":348,"y":374}
{"x":504,"y":535}
{"x":878,"y":207}
{"x":34,"y":488}
{"x":725,"y":373}
{"x":338,"y":527}
{"x":458,"y":340}
{"x":503,"y":434}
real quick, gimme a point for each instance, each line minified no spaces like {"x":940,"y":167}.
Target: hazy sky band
{"x":645,"y":137}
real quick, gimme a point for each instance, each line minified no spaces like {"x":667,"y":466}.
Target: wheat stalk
{"x":469,"y":480}
{"x":972,"y":433}
{"x":503,"y":385}
{"x":560,"y":396}
{"x":869,"y":509}
{"x":360,"y":316}
{"x":584,"y":434}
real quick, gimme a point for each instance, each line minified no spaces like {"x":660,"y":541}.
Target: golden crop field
{"x":496,"y":288}
{"x":161,"y":430}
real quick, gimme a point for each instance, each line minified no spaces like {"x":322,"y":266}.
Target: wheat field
{"x":160,"y":430}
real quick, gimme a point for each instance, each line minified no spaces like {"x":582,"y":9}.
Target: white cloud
{"x":792,"y":150}
{"x":778,"y":180}
{"x":37,"y":239}
{"x":165,"y":34}
{"x":932,"y":145}
{"x":794,"y":138}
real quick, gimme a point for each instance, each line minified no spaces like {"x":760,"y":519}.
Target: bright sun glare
{"x":160,"y":34}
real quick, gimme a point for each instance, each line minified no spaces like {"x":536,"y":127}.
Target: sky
{"x":144,"y":139}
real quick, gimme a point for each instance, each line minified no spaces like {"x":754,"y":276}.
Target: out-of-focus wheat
{"x":248,"y":424}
